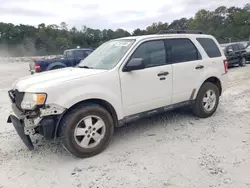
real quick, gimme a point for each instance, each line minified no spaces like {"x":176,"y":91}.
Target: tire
{"x":243,"y":62}
{"x":204,"y":94}
{"x":75,"y":133}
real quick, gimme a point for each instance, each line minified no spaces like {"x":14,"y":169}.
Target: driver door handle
{"x":163,"y":74}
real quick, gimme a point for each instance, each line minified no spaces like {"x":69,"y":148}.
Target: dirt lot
{"x":172,"y":150}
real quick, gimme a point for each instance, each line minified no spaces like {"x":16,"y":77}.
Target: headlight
{"x":31,"y":100}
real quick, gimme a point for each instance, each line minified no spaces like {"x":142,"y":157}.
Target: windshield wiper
{"x":86,"y":67}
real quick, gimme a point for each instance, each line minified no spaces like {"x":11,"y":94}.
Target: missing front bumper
{"x":18,"y":125}
{"x":44,"y":122}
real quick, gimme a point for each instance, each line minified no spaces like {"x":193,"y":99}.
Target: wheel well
{"x":105,"y":105}
{"x":56,"y":67}
{"x":215,"y":81}
{"x":100,"y":102}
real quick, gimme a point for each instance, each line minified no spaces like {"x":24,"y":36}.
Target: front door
{"x":148,"y":88}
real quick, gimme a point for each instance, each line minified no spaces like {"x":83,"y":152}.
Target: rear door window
{"x":181,"y":50}
{"x":79,"y":54}
{"x":210,"y":47}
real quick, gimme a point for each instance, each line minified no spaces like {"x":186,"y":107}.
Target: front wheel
{"x":243,"y":62}
{"x":207,"y":100}
{"x":86,"y":130}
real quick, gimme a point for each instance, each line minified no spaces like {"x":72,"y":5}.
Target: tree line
{"x":225,"y":23}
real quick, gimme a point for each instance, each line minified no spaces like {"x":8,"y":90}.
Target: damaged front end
{"x":43,"y":119}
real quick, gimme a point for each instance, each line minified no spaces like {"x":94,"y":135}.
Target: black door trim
{"x":135,"y":117}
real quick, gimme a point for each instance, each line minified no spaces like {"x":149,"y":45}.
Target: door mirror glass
{"x":230,"y":51}
{"x":134,"y":64}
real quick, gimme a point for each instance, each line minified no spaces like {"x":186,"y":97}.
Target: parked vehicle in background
{"x":71,"y":58}
{"x":235,"y":54}
{"x":248,"y":52}
{"x":122,"y":81}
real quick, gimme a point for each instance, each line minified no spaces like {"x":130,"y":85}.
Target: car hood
{"x":36,"y":82}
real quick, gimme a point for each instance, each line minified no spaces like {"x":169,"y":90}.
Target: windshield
{"x":107,"y":55}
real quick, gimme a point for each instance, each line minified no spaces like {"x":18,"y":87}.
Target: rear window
{"x":210,"y":47}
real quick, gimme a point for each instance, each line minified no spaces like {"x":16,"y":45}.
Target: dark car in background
{"x":236,"y":54}
{"x":71,"y":58}
{"x":248,"y":52}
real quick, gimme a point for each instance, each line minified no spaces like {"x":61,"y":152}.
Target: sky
{"x":101,"y":14}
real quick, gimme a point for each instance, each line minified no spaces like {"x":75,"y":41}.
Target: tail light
{"x":37,"y":67}
{"x":226,"y":66}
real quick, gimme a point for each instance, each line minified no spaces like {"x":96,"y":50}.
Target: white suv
{"x":121,"y":81}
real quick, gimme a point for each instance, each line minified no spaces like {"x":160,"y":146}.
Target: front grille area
{"x":16,"y":97}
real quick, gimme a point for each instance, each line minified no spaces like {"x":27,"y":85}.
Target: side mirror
{"x":134,"y":64}
{"x":230,"y":50}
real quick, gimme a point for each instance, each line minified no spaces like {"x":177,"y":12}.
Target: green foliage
{"x":224,"y":23}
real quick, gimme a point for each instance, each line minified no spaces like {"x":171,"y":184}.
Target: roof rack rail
{"x":179,"y":32}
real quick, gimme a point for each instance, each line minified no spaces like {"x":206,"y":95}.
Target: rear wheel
{"x":243,"y":62}
{"x":86,"y":130}
{"x":207,"y":100}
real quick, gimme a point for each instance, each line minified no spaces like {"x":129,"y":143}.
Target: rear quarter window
{"x":210,"y":47}
{"x":236,"y":47}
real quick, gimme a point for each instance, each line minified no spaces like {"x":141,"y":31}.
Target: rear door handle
{"x":163,"y":74}
{"x":199,"y":67}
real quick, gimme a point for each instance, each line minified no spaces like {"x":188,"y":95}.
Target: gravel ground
{"x":172,"y":150}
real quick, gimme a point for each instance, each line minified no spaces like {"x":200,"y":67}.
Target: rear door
{"x":248,"y":53}
{"x":242,"y":49}
{"x":231,"y":55}
{"x":187,"y":67}
{"x":237,"y":52}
